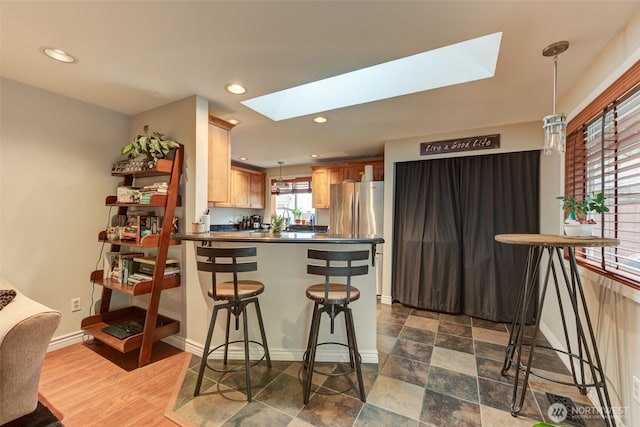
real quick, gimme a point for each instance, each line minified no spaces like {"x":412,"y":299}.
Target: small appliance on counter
{"x":256,"y":222}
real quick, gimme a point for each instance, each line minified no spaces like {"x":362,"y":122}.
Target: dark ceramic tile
{"x":285,"y":393}
{"x":426,"y":314}
{"x":547,"y":360}
{"x":256,"y":414}
{"x":412,"y":350}
{"x":453,"y":383}
{"x":392,"y":317}
{"x":372,"y":416}
{"x":499,"y":395}
{"x":459,"y":319}
{"x":325,"y":408}
{"x":188,"y":387}
{"x":491,"y":369}
{"x":455,"y":343}
{"x":348,"y":384}
{"x":454,"y":329}
{"x":261,"y":375}
{"x":489,"y":350}
{"x":420,"y":335}
{"x":387,"y":328}
{"x":487,"y":324}
{"x":442,"y":410}
{"x":406,"y":370}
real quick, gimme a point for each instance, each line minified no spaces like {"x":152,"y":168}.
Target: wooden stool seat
{"x":246,"y":289}
{"x":337,"y":293}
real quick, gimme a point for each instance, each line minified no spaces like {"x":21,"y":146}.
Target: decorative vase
{"x":579,"y":230}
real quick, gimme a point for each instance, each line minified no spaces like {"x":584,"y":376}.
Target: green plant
{"x":277,"y":224}
{"x":154,"y":146}
{"x":297,"y":213}
{"x":577,"y":210}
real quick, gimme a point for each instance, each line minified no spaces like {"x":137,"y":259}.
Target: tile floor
{"x":434,"y":370}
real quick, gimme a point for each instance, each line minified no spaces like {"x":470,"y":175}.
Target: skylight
{"x":462,"y":62}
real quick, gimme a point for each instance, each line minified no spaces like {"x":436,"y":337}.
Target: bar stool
{"x":238,"y":294}
{"x":333,"y":299}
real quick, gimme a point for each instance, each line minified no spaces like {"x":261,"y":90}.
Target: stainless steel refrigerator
{"x":356,"y":208}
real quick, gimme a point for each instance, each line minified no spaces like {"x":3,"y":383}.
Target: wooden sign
{"x":462,"y":144}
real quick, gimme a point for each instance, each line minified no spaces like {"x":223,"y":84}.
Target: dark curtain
{"x":447,"y":213}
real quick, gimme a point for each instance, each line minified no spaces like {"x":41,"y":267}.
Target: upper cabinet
{"x":219,"y":182}
{"x":324,"y":176}
{"x":247,"y":189}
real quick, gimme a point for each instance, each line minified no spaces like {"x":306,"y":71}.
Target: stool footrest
{"x":238,"y":368}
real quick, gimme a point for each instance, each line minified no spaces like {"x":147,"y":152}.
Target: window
{"x":296,"y":196}
{"x":603,"y":155}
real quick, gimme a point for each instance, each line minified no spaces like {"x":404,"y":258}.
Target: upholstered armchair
{"x":26,"y":328}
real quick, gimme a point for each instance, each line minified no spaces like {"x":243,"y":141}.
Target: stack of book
{"x":134,"y":267}
{"x":149,"y":190}
{"x":146,"y":265}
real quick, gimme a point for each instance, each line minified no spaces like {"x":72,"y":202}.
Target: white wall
{"x":55,"y":171}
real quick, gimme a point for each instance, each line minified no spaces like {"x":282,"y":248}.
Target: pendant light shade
{"x":555,"y":125}
{"x":280,"y":184}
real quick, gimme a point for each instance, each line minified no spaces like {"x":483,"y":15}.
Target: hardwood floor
{"x":90,"y":384}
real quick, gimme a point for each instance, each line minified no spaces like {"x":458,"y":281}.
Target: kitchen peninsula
{"x":282,"y":267}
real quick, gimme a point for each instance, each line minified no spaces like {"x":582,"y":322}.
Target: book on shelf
{"x":152,"y":260}
{"x":124,"y":266}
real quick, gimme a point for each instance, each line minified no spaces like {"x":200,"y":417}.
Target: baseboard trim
{"x":322,"y":355}
{"x":384,"y":299}
{"x":197,"y":348}
{"x":66,"y":340}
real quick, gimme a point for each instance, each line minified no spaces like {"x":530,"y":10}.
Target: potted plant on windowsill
{"x":577,"y":222}
{"x":297,"y":214}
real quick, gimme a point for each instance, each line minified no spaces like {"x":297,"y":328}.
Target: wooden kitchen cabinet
{"x":256,"y":190}
{"x":321,"y":180}
{"x":247,"y":189}
{"x":219,"y":173}
{"x":322,"y":177}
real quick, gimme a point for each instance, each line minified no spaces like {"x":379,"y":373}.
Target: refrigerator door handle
{"x":355,"y":228}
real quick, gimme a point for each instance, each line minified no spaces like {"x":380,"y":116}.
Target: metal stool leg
{"x":226,"y":337}
{"x":305,"y":357}
{"x":205,"y":353}
{"x":353,"y":350}
{"x":313,"y":344}
{"x":264,"y":336}
{"x":247,"y":362}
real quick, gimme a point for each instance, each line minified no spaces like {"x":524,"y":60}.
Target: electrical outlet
{"x":75,"y":304}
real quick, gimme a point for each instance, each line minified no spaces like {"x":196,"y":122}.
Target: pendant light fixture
{"x":280,"y":184}
{"x":555,"y":125}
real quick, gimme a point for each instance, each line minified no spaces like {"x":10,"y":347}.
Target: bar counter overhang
{"x":282,"y":267}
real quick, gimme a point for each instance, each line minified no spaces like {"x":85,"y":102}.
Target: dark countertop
{"x":285,"y":237}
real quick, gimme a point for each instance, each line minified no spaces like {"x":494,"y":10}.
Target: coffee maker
{"x":256,"y":222}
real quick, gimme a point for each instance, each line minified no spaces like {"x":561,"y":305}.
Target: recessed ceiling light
{"x":59,"y":55}
{"x":234,"y":121}
{"x":236,"y":89}
{"x":314,"y":156}
{"x":243,"y":158}
{"x":462,"y":62}
{"x":320,"y":119}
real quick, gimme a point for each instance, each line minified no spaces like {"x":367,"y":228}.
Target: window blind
{"x":603,"y":155}
{"x":295,"y":186}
